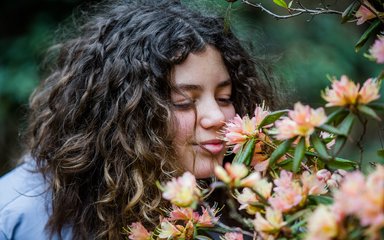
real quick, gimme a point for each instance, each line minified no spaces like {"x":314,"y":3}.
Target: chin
{"x":205,"y":168}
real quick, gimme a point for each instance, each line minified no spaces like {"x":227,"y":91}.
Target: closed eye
{"x":224,"y":101}
{"x":185,"y":105}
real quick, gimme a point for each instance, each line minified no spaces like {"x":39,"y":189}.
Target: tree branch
{"x":294,"y":11}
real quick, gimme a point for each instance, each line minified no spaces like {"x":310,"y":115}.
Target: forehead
{"x":201,"y":68}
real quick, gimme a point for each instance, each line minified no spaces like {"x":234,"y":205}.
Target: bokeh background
{"x":304,"y":50}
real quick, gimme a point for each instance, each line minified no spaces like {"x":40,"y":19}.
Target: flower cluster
{"x":183,"y":191}
{"x":344,"y":92}
{"x":181,"y":223}
{"x":298,"y":188}
{"x":358,"y":198}
{"x":300,"y":122}
{"x":239,"y":130}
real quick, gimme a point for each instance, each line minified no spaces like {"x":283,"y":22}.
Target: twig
{"x":222,"y":225}
{"x":359,"y":142}
{"x":380,"y":138}
{"x":295,"y":11}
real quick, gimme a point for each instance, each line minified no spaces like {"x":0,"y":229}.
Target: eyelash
{"x":225,"y":101}
{"x":189,"y":105}
{"x":184,"y":106}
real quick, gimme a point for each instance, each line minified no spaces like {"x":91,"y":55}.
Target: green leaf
{"x":345,"y":127}
{"x":238,"y":154}
{"x":246,"y":155}
{"x":326,"y":200}
{"x":339,"y":114}
{"x":299,"y":155}
{"x":368,"y":111}
{"x":341,"y":163}
{"x":346,"y":124}
{"x":281,"y":3}
{"x":286,"y":164}
{"x":320,"y":147}
{"x":339,"y":144}
{"x":356,"y":234}
{"x":280,"y":151}
{"x":272,"y":117}
{"x":331,"y":129}
{"x":370,"y":31}
{"x":297,"y":215}
{"x":380,"y":152}
{"x":349,"y":12}
{"x":376,"y":106}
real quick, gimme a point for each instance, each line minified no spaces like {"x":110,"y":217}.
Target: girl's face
{"x":202,"y":103}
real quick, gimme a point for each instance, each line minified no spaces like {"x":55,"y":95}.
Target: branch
{"x":295,"y":11}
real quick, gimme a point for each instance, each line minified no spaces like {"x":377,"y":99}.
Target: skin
{"x":202,"y":103}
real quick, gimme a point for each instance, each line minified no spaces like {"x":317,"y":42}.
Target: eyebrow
{"x":192,"y":87}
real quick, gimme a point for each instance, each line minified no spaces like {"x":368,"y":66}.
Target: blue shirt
{"x":25,"y":205}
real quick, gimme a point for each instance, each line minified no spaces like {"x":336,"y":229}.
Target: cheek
{"x":229,"y":113}
{"x":185,"y":124}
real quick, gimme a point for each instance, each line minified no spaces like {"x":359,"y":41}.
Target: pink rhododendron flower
{"x":363,"y":13}
{"x":251,"y":180}
{"x":171,"y":231}
{"x":363,"y":198}
{"x":370,"y":90}
{"x":372,"y":212}
{"x":205,"y":219}
{"x":271,"y":224}
{"x":185,"y":214}
{"x":322,"y":224}
{"x":233,"y":236}
{"x":239,"y":130}
{"x":377,"y":49}
{"x":138,"y":232}
{"x":311,"y":184}
{"x":231,"y":174}
{"x":248,"y":198}
{"x":301,"y":122}
{"x":347,"y":199}
{"x":288,"y":195}
{"x":345,"y":92}
{"x":260,"y":113}
{"x":182,"y":191}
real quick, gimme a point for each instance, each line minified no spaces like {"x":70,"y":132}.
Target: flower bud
{"x":323,"y":175}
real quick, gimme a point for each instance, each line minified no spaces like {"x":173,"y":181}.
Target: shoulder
{"x":24,"y":204}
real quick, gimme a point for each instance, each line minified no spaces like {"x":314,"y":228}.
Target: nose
{"x":211,"y":115}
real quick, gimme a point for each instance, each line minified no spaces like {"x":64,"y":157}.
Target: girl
{"x":139,"y":94}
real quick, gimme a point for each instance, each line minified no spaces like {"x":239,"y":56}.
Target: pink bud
{"x":323,"y":175}
{"x":332,"y":184}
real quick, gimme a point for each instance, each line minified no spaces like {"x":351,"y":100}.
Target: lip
{"x":213,"y":146}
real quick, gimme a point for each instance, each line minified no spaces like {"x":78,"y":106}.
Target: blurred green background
{"x":305,"y":50}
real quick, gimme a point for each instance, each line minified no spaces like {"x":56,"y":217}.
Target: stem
{"x":222,"y":225}
{"x":359,"y":142}
{"x":380,"y":130}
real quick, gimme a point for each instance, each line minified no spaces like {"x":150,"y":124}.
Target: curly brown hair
{"x":99,"y":125}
